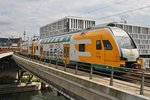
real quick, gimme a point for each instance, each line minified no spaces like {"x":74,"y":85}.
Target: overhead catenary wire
{"x":94,"y":10}
{"x":128,"y":11}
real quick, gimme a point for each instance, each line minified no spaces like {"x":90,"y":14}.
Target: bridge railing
{"x":139,"y":77}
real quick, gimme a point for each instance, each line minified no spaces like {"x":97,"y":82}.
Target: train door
{"x":109,"y":49}
{"x":41,"y":50}
{"x":32,"y":49}
{"x":67,"y":53}
{"x":108,"y":54}
{"x":99,"y":51}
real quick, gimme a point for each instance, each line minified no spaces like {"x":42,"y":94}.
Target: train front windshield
{"x":123,"y":39}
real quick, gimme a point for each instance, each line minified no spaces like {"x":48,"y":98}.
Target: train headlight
{"x":139,"y":60}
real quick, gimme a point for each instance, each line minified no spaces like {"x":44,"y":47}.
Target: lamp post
{"x":12,"y":41}
{"x":123,"y":21}
{"x":24,"y":35}
{"x":28,"y":38}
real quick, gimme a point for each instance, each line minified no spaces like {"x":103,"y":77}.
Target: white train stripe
{"x":85,"y":41}
{"x":84,"y":54}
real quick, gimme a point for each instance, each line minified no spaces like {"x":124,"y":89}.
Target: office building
{"x":67,"y":24}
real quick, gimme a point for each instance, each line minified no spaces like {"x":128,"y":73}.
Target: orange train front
{"x":102,"y":47}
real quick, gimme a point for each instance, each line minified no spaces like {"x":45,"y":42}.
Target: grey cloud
{"x":35,"y":13}
{"x":5,"y":20}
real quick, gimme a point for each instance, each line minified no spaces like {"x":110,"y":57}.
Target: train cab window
{"x":107,"y":45}
{"x":82,"y":47}
{"x":98,"y":45}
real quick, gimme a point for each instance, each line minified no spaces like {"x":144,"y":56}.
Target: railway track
{"x":137,"y":78}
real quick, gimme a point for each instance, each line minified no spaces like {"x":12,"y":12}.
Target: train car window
{"x":55,"y":52}
{"x":60,"y":54}
{"x":98,"y":45}
{"x":47,"y":53}
{"x":37,"y":48}
{"x":82,"y":47}
{"x":51,"y":52}
{"x":107,"y":45}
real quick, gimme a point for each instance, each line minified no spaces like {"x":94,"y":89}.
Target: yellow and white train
{"x":102,"y":47}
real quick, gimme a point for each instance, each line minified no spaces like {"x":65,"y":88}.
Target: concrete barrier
{"x":2,"y":55}
{"x":78,"y":87}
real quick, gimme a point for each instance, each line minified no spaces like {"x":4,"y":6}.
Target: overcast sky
{"x":17,"y":15}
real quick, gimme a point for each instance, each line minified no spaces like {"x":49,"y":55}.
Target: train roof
{"x":67,"y":36}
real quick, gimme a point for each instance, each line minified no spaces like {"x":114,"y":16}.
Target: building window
{"x":145,"y":30}
{"x":139,"y":29}
{"x":76,"y":23}
{"x":71,"y":23}
{"x":130,"y":29}
{"x":135,"y":29}
{"x":148,"y":30}
{"x":82,"y":47}
{"x":107,"y":45}
{"x":85,"y":24}
{"x":126,"y":28}
{"x":120,"y":26}
{"x":98,"y":45}
{"x":93,"y":23}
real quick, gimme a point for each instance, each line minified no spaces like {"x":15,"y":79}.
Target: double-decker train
{"x":103,"y":47}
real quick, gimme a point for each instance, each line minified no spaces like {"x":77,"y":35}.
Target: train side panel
{"x":98,"y":47}
{"x":93,"y":47}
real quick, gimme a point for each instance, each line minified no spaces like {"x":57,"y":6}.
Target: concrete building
{"x":141,"y":36}
{"x":14,"y":42}
{"x":67,"y":24}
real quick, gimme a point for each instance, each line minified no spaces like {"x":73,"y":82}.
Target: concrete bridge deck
{"x":80,"y":86}
{"x":7,"y":65}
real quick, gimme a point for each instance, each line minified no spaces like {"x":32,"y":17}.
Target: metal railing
{"x":135,"y":76}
